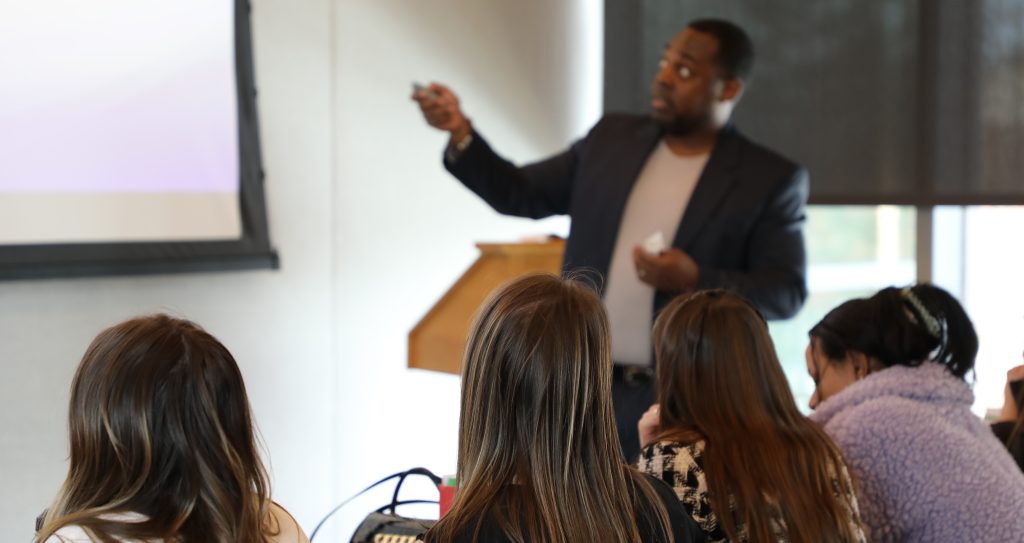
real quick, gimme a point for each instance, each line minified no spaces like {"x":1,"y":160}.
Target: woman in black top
{"x":539,"y":458}
{"x":1009,"y":428}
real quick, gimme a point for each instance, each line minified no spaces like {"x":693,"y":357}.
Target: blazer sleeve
{"x":774,"y":278}
{"x":536,"y":190}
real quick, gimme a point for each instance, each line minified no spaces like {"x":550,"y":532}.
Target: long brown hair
{"x":538,"y":450}
{"x":159,"y":425}
{"x":720,"y":381}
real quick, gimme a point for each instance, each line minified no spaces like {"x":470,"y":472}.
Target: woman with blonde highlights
{"x":727,"y":434}
{"x":539,"y":457}
{"x":162,"y":444}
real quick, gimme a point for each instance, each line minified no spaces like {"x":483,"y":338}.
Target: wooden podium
{"x":438,"y":340}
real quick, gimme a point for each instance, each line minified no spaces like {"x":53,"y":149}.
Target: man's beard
{"x":680,"y":126}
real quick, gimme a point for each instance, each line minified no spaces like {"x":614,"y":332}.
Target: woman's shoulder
{"x":672,"y":449}
{"x":74,"y":533}
{"x":666,"y":457}
{"x":288,"y":529}
{"x":282,"y":522}
{"x":683,"y":527}
{"x":70,"y":534}
{"x":661,"y":488}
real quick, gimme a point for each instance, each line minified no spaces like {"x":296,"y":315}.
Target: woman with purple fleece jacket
{"x":890,"y":390}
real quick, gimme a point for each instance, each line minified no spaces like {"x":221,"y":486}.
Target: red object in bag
{"x":447,"y":488}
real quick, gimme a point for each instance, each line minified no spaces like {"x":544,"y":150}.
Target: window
{"x":852,"y":251}
{"x":977,"y":257}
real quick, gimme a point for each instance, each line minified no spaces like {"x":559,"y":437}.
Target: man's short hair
{"x":735,"y":51}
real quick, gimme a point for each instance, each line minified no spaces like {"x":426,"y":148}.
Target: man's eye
{"x":685,"y":72}
{"x":662,"y":63}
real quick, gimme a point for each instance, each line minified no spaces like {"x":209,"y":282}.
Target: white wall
{"x":370,"y":230}
{"x":405,"y":228}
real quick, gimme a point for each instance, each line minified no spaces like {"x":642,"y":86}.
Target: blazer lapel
{"x":715,"y":183}
{"x":634,"y":153}
{"x":610,"y":196}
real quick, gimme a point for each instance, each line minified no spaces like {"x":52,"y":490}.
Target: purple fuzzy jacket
{"x":927,"y":468}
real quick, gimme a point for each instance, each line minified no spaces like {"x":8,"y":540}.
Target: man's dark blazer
{"x":743,"y":224}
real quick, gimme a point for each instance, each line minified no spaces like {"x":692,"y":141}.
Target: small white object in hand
{"x":655,"y":243}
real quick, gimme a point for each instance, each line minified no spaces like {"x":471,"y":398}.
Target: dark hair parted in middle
{"x":720,"y":382}
{"x":539,"y":454}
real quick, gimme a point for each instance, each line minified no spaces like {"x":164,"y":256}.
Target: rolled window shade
{"x":908,"y":102}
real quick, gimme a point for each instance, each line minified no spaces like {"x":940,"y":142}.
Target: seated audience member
{"x":539,"y":457}
{"x":727,"y":434}
{"x":890,"y":375}
{"x":162,"y":444}
{"x":1010,"y":426}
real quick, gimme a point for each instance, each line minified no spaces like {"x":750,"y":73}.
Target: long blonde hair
{"x":159,"y":425}
{"x":538,"y":449}
{"x":719,"y":380}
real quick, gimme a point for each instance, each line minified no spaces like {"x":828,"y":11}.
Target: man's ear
{"x":732,"y":89}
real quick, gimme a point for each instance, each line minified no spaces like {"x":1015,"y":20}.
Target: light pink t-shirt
{"x":291,"y":532}
{"x":656,"y":204}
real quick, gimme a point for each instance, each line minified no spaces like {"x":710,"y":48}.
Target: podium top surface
{"x":553,"y":246}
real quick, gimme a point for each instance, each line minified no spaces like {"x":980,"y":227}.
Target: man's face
{"x":688,"y":83}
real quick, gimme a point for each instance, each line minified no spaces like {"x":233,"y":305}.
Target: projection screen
{"x":128,"y":139}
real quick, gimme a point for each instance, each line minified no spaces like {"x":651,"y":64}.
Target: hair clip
{"x":931,"y":324}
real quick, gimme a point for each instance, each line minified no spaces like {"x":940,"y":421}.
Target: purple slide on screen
{"x":118,"y":121}
{"x":118,"y":96}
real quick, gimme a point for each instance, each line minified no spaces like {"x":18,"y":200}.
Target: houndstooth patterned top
{"x":682,"y":467}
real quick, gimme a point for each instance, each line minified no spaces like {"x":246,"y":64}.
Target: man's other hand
{"x":440,"y":108}
{"x":671,"y":270}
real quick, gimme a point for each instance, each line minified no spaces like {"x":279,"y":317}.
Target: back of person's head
{"x":714,"y":344}
{"x":537,"y":361}
{"x":720,"y":381}
{"x":735,"y":56}
{"x":160,"y":426}
{"x":905,"y":327}
{"x":537,"y":427}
